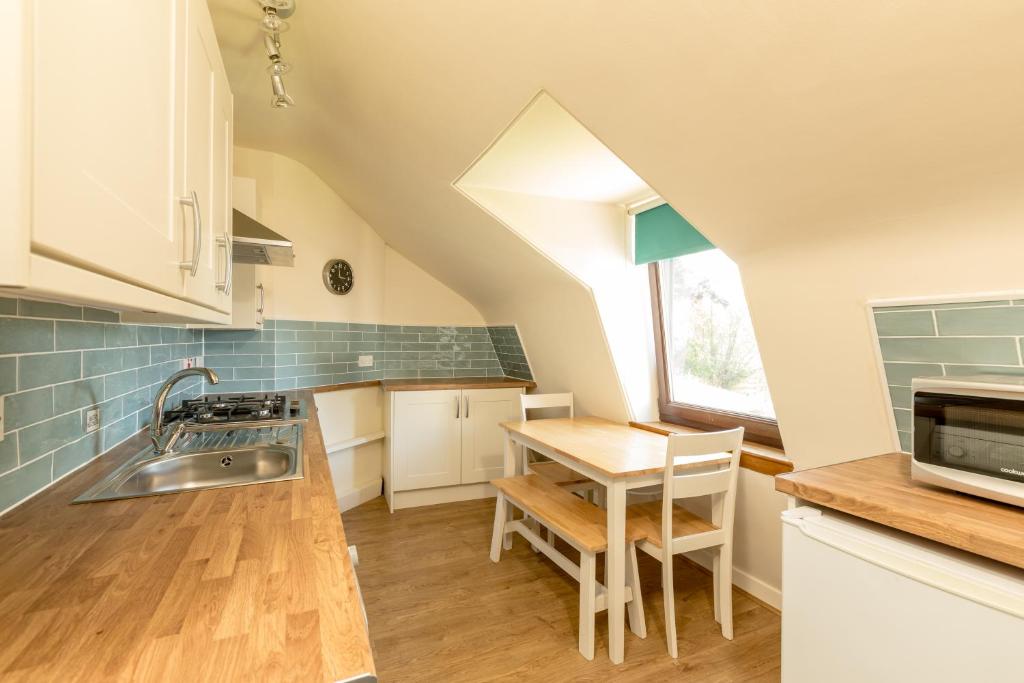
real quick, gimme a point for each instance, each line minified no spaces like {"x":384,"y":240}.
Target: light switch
{"x":366,"y":361}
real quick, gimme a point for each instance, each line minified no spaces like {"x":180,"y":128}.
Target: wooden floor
{"x":440,"y":610}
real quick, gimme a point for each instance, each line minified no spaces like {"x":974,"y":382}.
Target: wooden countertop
{"x":428,"y":384}
{"x":879,"y":489}
{"x":244,"y":583}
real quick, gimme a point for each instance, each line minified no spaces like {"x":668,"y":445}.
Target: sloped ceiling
{"x":764,"y":123}
{"x":767,"y":124}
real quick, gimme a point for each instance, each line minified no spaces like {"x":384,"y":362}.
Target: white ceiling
{"x":764,"y":123}
{"x":547,"y":152}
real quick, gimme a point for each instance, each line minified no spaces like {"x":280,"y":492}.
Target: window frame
{"x":757,"y":429}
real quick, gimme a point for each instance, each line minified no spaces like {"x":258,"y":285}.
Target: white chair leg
{"x":499,"y":527}
{"x":635,"y":607}
{"x":716,"y":583}
{"x":551,"y":537}
{"x":509,"y":513}
{"x":668,"y":589}
{"x":588,"y":599}
{"x":725,"y":589}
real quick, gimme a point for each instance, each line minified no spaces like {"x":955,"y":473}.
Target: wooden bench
{"x":580,"y":524}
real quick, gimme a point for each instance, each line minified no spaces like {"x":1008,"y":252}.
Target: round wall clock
{"x":338,"y":276}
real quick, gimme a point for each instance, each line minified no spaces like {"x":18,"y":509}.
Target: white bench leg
{"x":635,"y":607}
{"x":588,"y":599}
{"x":499,"y":527}
{"x":725,"y":589}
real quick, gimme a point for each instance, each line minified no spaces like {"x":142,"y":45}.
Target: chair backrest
{"x":532,"y":401}
{"x":719,"y":483}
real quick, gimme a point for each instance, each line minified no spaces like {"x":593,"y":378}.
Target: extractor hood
{"x":254,"y":242}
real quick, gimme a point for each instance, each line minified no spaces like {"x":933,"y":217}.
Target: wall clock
{"x":338,"y":276}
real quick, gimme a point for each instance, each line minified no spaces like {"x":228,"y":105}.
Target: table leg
{"x":615,"y":581}
{"x":511,"y":457}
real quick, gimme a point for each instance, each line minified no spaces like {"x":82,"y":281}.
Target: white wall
{"x":406,"y":289}
{"x":590,"y":240}
{"x":295,"y":202}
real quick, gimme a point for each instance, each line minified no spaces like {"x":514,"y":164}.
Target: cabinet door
{"x":16,"y":141}
{"x":425,"y":438}
{"x":483,"y":442}
{"x":207,"y":167}
{"x":104,"y":138}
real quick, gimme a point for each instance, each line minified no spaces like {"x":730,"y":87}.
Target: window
{"x":709,"y":367}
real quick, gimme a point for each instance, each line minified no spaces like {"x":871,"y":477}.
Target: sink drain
{"x":225,"y":461}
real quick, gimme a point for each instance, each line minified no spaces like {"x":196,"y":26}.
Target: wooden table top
{"x":615,"y":449}
{"x":880,"y":489}
{"x":431,"y":384}
{"x":244,"y":583}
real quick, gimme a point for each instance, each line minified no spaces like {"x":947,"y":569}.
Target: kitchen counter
{"x":426,"y":384}
{"x":879,"y":489}
{"x":244,"y":583}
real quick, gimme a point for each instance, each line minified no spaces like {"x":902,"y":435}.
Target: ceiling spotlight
{"x":280,"y":98}
{"x":272,"y":23}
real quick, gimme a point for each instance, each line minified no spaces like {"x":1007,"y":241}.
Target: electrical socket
{"x":366,"y":361}
{"x":2,"y":419}
{"x":92,"y":420}
{"x":192,"y":362}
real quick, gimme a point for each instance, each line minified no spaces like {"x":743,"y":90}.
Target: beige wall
{"x":590,"y":241}
{"x":295,"y":202}
{"x":808,"y":304}
{"x":413,"y":297}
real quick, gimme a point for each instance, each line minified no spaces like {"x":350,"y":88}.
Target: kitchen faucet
{"x":156,"y":426}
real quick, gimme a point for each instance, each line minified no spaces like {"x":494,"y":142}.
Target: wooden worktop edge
{"x":430,"y":384}
{"x":891,"y":498}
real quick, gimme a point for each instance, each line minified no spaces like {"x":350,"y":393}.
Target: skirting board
{"x":747,"y":583}
{"x":441,"y":494}
{"x":361,"y":495}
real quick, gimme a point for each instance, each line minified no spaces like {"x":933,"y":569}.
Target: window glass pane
{"x":711,"y":352}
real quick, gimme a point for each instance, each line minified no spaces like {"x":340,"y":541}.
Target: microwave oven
{"x":968,"y":435}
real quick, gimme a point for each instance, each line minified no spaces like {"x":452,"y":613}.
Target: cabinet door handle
{"x":225,"y":241}
{"x":197,"y":233}
{"x":467,"y":407}
{"x":458,"y":405}
{"x":263,"y":294}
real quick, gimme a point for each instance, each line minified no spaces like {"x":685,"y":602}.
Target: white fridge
{"x":865,"y":603}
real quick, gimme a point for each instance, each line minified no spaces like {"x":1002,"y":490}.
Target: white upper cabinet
{"x":16,"y":141}
{"x":130,"y":160}
{"x":206,"y":220}
{"x":104,"y":132}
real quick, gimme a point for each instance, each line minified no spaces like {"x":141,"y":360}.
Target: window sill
{"x":756,"y":457}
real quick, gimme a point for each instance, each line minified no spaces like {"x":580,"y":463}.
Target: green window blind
{"x":662,"y":233}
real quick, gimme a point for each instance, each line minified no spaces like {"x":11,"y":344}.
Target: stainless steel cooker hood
{"x":254,"y":242}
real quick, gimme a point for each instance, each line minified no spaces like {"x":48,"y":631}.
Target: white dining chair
{"x":550,"y":470}
{"x":669,"y":529}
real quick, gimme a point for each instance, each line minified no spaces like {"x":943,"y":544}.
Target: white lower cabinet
{"x":445,"y":438}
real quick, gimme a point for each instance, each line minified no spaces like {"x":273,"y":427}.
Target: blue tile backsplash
{"x":295,"y":354}
{"x":947,"y":339}
{"x":58,"y":360}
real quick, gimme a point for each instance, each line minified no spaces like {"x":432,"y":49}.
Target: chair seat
{"x":644,"y":521}
{"x":557,"y":473}
{"x":569,"y":516}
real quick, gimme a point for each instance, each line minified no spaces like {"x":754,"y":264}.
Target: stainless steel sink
{"x":205,"y":460}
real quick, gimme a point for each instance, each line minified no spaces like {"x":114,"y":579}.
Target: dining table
{"x":619,"y":458}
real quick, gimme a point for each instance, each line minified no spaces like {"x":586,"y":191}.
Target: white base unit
{"x":444,"y":445}
{"x":862,"y":602}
